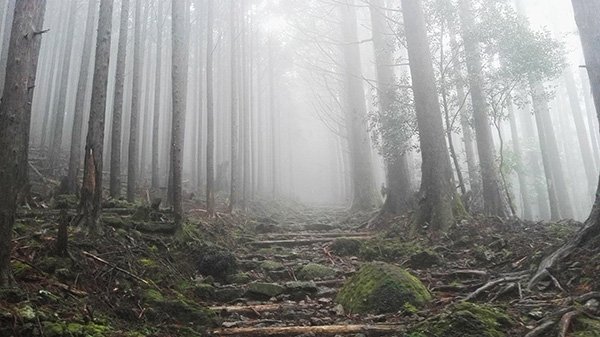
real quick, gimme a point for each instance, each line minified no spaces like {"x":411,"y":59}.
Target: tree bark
{"x":91,"y":189}
{"x":179,"y":77}
{"x":492,"y":196}
{"x":59,"y":115}
{"x":397,"y":171}
{"x":521,"y":170}
{"x":589,"y":32}
{"x":234,"y":196}
{"x":80,"y":100}
{"x":157,"y":99}
{"x":557,"y":187}
{"x":134,"y":131}
{"x":118,"y":102}
{"x":15,"y":114}
{"x":5,"y":36}
{"x":365,"y":196}
{"x":210,"y":123}
{"x":582,"y":132}
{"x":437,"y":192}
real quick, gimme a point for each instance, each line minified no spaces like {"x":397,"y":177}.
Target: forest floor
{"x":278,"y":272}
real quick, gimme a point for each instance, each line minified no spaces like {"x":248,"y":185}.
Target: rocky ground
{"x":291,"y":271}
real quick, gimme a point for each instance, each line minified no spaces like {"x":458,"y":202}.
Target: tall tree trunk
{"x":59,"y":115}
{"x":437,"y":192}
{"x":118,"y":102}
{"x":136,"y":101}
{"x":521,"y":170}
{"x":15,"y":113}
{"x":91,"y":189}
{"x":582,"y":131}
{"x":492,"y":195}
{"x":234,"y":196}
{"x":397,"y":171}
{"x":246,"y":108}
{"x":179,"y":77}
{"x":5,"y":36}
{"x":80,"y":99}
{"x":210,"y":122}
{"x":157,"y":101}
{"x":589,"y":32}
{"x":550,"y":155}
{"x":592,"y":121}
{"x":365,"y":192}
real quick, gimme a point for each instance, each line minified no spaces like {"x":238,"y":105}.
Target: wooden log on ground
{"x":318,"y":330}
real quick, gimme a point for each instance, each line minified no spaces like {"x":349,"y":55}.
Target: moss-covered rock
{"x":390,"y":250}
{"x":239,"y":278}
{"x":346,"y":247}
{"x":261,"y":290}
{"x":179,"y":309}
{"x":216,"y":261}
{"x":465,"y":320}
{"x":298,"y":290}
{"x":381,"y":288}
{"x":315,"y":271}
{"x":271,"y":265}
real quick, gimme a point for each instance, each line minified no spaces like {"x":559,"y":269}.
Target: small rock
{"x":592,"y":306}
{"x":339,"y":310}
{"x":261,"y":290}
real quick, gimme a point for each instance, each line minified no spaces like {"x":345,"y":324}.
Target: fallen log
{"x":318,"y":330}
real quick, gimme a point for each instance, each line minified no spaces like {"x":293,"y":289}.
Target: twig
{"x":99,"y":259}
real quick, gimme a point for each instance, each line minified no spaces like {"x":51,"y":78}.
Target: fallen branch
{"x":101,"y":260}
{"x":492,"y":284}
{"x":540,"y":329}
{"x":296,"y":330}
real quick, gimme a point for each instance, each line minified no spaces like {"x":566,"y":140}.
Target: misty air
{"x":344,"y":168}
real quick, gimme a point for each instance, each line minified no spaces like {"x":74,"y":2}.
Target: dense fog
{"x":312,"y":101}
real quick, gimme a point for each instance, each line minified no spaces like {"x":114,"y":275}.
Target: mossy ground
{"x":382,"y":288}
{"x":465,"y":320}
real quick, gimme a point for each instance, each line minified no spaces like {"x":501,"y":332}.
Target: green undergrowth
{"x":128,"y":282}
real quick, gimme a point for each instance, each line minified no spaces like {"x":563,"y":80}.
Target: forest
{"x":407,"y":168}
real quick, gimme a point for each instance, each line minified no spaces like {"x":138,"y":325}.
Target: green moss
{"x":586,"y":327}
{"x":389,"y":250}
{"x":148,"y":263}
{"x":20,"y":269}
{"x":65,"y":201}
{"x":270,"y":265}
{"x":50,"y":263}
{"x":346,"y":247}
{"x":204,"y":291}
{"x":314,"y":271}
{"x":239,"y":278}
{"x":74,"y":329}
{"x":179,"y":310}
{"x":382,"y":288}
{"x":465,"y":319}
